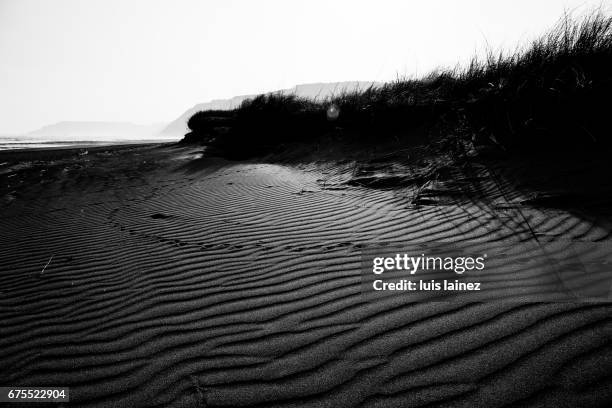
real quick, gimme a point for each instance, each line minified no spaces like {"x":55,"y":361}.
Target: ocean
{"x":14,"y":143}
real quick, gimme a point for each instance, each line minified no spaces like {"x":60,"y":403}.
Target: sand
{"x":153,"y":276}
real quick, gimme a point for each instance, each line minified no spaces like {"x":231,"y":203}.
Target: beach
{"x":153,"y":275}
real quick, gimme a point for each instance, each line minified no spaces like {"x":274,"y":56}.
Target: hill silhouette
{"x":178,"y":127}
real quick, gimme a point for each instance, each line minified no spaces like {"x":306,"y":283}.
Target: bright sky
{"x":147,"y":61}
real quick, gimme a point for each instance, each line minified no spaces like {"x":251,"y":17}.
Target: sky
{"x":147,"y":61}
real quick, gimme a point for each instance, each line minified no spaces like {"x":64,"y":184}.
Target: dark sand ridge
{"x":177,"y":280}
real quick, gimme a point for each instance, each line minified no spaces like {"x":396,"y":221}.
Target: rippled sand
{"x":177,"y":280}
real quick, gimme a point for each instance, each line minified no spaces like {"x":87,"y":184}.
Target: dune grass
{"x":552,"y":94}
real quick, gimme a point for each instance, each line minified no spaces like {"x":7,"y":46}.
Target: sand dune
{"x":177,"y":280}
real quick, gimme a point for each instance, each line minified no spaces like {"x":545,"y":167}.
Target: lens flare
{"x":333,"y":112}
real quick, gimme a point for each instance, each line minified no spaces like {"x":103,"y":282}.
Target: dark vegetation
{"x":554,"y":94}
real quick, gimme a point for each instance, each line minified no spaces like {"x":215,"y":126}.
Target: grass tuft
{"x":552,"y":94}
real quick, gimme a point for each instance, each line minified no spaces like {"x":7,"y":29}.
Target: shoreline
{"x":47,"y":153}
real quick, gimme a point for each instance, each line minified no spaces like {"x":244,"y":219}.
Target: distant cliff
{"x":88,"y":131}
{"x":178,"y":127}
